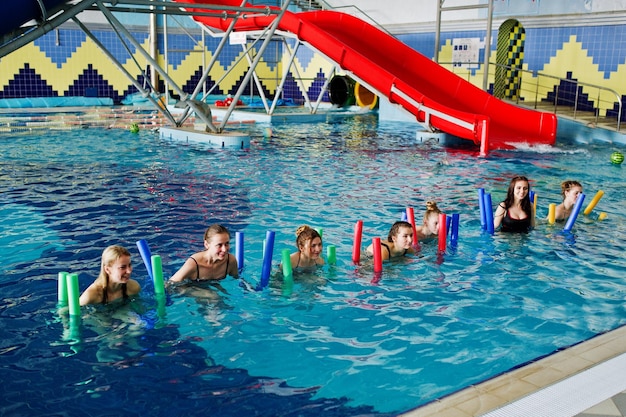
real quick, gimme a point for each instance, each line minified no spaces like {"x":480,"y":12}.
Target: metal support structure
{"x":489,"y":6}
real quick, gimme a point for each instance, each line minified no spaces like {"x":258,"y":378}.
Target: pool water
{"x":340,"y":342}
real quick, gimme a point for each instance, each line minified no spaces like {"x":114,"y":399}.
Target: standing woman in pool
{"x":399,"y":241}
{"x":570,"y":191}
{"x":430,"y":225}
{"x":309,"y":244}
{"x":114,"y":282}
{"x":213,"y":263}
{"x":515,"y":214}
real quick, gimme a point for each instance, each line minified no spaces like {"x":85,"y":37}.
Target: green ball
{"x":134,"y":128}
{"x":617,"y":158}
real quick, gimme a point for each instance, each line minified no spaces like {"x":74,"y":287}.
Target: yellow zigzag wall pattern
{"x":571,"y":57}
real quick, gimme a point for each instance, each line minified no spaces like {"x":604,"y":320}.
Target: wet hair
{"x":431,"y":208}
{"x":215,"y":229}
{"x":109,"y":256}
{"x":510,"y":197}
{"x":305,"y":233}
{"x":566,"y":185}
{"x":395,"y":229}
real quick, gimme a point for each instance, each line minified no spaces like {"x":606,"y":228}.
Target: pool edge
{"x":479,"y":399}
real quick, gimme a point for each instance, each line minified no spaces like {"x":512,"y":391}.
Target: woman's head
{"x":571,"y":189}
{"x":308,"y":241}
{"x":115,"y":265}
{"x":519,"y":188}
{"x":401,"y":234}
{"x":431,"y":217}
{"x":217,"y":241}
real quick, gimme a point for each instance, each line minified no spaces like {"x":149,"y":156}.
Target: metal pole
{"x":487,"y":46}
{"x":438,"y":30}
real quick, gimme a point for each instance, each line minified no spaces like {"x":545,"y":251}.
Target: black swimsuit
{"x":198,"y":268}
{"x":515,"y":225}
{"x":105,"y":296}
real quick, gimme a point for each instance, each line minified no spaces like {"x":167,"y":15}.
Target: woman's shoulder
{"x":133,"y":287}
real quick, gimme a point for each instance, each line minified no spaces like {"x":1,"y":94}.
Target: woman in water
{"x":399,"y":241}
{"x":309,"y":244}
{"x":213,"y":263}
{"x":515,"y":214}
{"x":430,"y":225}
{"x":570,"y":190}
{"x":114,"y":282}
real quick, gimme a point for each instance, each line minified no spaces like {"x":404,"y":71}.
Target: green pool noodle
{"x":286,"y":263}
{"x":73,"y":294}
{"x":62,"y":289}
{"x":331,"y":254}
{"x":157,"y":274}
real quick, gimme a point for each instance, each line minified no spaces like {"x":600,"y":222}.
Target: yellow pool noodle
{"x":552,"y":213}
{"x":602,"y":216}
{"x":593,"y":202}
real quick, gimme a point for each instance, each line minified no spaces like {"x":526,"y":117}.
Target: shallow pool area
{"x":342,"y":341}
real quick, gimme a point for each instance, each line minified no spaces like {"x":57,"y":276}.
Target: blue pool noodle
{"x":488,"y":213}
{"x":481,"y":205}
{"x":267,"y":258}
{"x":572,"y":217}
{"x":454,"y":234}
{"x":144,"y":251}
{"x":239,"y":249}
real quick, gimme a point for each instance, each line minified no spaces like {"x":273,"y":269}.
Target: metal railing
{"x":572,"y":98}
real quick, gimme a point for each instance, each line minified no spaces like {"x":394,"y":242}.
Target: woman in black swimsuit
{"x":399,"y":241}
{"x":214,"y":263}
{"x":114,"y":281}
{"x":515,"y":214}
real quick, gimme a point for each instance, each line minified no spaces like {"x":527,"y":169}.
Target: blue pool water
{"x":339,"y":343}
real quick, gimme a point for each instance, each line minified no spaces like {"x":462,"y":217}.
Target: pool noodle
{"x":410,"y":215}
{"x":448,"y":225}
{"x":481,"y":206}
{"x":489,"y":213}
{"x":73,"y":294}
{"x":286,"y":264}
{"x":552,"y":213}
{"x":593,"y":202}
{"x":454,"y":234}
{"x":403,"y":217}
{"x":157,"y":269}
{"x":239,"y":249}
{"x":602,"y":216}
{"x":378,"y":258}
{"x":144,"y":251}
{"x":267,"y":258}
{"x":62,"y":289}
{"x":572,"y":217}
{"x":320,"y":231}
{"x":331,"y":254}
{"x":356,"y":246}
{"x":442,"y":233}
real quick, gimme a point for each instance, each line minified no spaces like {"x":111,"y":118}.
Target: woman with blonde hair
{"x":114,"y":282}
{"x":430,"y":225}
{"x":570,"y":190}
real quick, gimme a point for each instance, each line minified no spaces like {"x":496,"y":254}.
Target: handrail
{"x":533,"y":89}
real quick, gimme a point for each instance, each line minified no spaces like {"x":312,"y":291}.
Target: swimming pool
{"x":337,"y":343}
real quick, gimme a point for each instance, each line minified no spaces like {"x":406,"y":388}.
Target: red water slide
{"x":427,"y":90}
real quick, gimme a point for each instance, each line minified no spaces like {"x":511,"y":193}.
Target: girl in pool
{"x":309,"y":244}
{"x":114,"y":282}
{"x":515,"y":214}
{"x":570,"y":191}
{"x":399,"y":241}
{"x":430,"y":226}
{"x":214,"y":263}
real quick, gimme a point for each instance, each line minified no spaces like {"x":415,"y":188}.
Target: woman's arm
{"x":185,"y":271}
{"x":497,"y":218}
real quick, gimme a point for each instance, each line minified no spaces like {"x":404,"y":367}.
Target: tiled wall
{"x":65,"y":62}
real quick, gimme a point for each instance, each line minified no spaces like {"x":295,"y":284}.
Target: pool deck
{"x":585,"y":380}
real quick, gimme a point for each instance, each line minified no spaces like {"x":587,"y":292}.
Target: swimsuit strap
{"x":298,"y":264}
{"x":386,"y":247}
{"x":197,"y":267}
{"x":105,"y":297}
{"x":105,"y":294}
